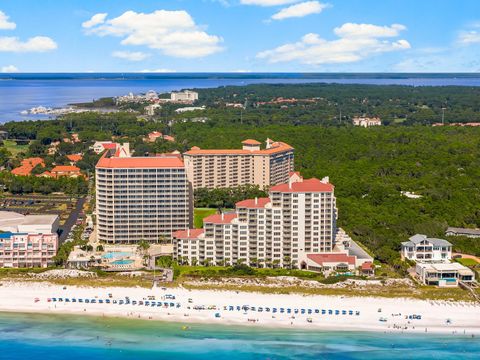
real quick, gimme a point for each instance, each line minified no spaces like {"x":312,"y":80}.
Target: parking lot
{"x":68,"y":209}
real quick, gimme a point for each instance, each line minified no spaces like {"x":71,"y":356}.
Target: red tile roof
{"x":169,"y":138}
{"x":251,"y":204}
{"x":27,"y":166}
{"x":74,"y":157}
{"x":320,"y":259}
{"x":188,"y":234}
{"x":65,"y":168}
{"x":251,"y":142}
{"x":140,"y":162}
{"x":109,"y":146}
{"x":367,"y":266}
{"x":309,"y":185}
{"x":217,"y":218}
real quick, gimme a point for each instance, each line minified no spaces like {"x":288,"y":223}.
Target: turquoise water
{"x":25,"y":336}
{"x":116,"y":254}
{"x":122,"y":262}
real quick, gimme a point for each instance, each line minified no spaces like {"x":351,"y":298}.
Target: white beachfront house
{"x":421,"y":248}
{"x":444,"y":274}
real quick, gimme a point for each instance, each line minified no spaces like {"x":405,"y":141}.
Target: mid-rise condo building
{"x":23,"y":250}
{"x":141,"y":198}
{"x":214,"y":168}
{"x":298,"y":218}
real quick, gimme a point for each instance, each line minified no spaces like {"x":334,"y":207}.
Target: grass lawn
{"x":13,"y":147}
{"x":467,"y":262}
{"x":199,"y":214}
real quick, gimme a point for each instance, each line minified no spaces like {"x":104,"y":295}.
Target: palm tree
{"x":287,"y":262}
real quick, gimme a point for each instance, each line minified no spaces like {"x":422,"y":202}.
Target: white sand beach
{"x":227,"y":307}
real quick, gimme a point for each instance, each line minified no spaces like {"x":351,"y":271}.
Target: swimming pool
{"x":122,"y":262}
{"x":116,"y":254}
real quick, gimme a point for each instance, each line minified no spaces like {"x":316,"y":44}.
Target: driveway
{"x":72,"y":219}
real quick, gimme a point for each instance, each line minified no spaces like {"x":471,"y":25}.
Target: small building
{"x":100,"y":146}
{"x":190,"y":108}
{"x":14,"y":222}
{"x":27,"y":165}
{"x":66,"y":170}
{"x":186,"y":95}
{"x":74,"y":158}
{"x":150,"y":109}
{"x":3,"y":135}
{"x":444,"y":274}
{"x":421,"y":248}
{"x":367,"y":268}
{"x":471,"y":233}
{"x":340,"y":262}
{"x":366,"y":121}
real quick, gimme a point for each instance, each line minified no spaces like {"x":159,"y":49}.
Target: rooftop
{"x":309,"y":185}
{"x":320,"y":259}
{"x":464,"y":231}
{"x":220,"y":218}
{"x":65,"y":168}
{"x":140,"y":162}
{"x":253,"y":203}
{"x":75,"y":157}
{"x":418,"y":238}
{"x":251,"y":142}
{"x":190,"y":234}
{"x":276,"y":147}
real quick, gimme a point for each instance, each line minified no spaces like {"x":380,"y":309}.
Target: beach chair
{"x":324,"y":312}
{"x":337,"y":312}
{"x":350,"y":312}
{"x":330,"y":312}
{"x":289,"y":311}
{"x":344,"y":312}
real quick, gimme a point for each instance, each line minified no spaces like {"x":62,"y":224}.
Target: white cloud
{"x":130,"y":55}
{"x":174,"y":33}
{"x":351,"y":30}
{"x":158,"y":71}
{"x":5,"y":24}
{"x":34,"y":44}
{"x":469,"y":37}
{"x":268,"y":2}
{"x":300,"y":10}
{"x":95,"y":20}
{"x":356,"y":42}
{"x":9,"y":69}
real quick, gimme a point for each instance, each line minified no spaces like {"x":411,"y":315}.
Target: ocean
{"x":52,"y":337}
{"x":20,"y":92}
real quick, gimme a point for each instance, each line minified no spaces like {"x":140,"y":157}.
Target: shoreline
{"x":220,"y":308}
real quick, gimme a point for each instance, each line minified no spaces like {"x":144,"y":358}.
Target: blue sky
{"x":240,"y":35}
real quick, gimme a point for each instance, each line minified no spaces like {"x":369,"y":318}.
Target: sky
{"x":240,"y":36}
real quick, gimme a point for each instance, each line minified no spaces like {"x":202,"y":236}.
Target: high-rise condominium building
{"x":232,"y":167}
{"x":297,"y":219}
{"x":141,"y":198}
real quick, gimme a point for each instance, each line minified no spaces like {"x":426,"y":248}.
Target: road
{"x":72,"y":219}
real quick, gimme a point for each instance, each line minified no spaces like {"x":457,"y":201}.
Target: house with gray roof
{"x":421,"y":248}
{"x":454,"y":231}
